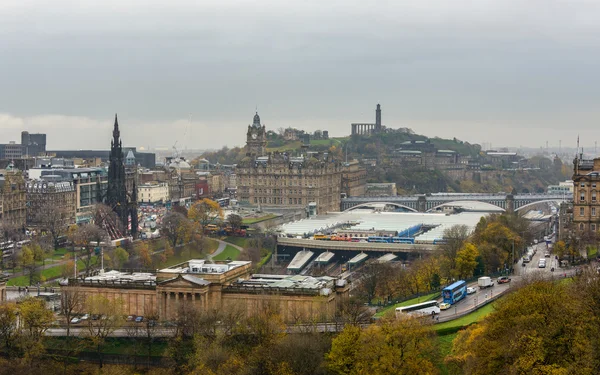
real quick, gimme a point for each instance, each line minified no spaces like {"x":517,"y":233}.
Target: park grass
{"x":427,"y":297}
{"x":230,"y":252}
{"x":239,"y":241}
{"x":255,"y":220}
{"x":466,"y":320}
{"x":188,"y":252}
{"x":293,"y":145}
{"x":48,"y":274}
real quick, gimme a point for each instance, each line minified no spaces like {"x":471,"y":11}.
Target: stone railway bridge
{"x":429,"y":202}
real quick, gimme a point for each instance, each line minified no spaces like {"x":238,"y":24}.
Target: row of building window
{"x":592,"y":227}
{"x":582,"y":196}
{"x":582,"y":211}
{"x":276,"y":200}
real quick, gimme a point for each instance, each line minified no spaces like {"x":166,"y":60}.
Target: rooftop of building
{"x":201,"y":266}
{"x":42,"y":186}
{"x":368,"y":220}
{"x":121,"y":278}
{"x":322,"y":284}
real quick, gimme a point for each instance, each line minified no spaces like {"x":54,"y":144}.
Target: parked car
{"x":75,"y":320}
{"x":503,"y":280}
{"x":131,"y":318}
{"x":471,"y":290}
{"x":139,"y":319}
{"x":445,"y":306}
{"x":547,"y":255}
{"x":85,"y":317}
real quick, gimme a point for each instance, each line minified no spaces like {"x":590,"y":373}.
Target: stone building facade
{"x":153,"y":193}
{"x":283,"y":181}
{"x":13,"y":199}
{"x":279,"y":180}
{"x":586,"y":196}
{"x":51,"y":203}
{"x":219,"y":286}
{"x":354,"y":179}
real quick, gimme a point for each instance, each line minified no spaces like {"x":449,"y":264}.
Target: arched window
{"x":581,"y":226}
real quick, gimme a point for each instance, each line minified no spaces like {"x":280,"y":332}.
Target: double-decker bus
{"x":223,"y":202}
{"x":454,"y":292}
{"x":420,"y":309}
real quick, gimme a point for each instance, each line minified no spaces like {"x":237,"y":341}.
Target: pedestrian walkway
{"x":221,"y":248}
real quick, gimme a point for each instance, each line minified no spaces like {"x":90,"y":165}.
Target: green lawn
{"x":293,"y":145}
{"x":466,"y":320}
{"x":239,"y":241}
{"x":427,"y":297}
{"x":48,"y":274}
{"x":229,"y":252}
{"x":186,"y":253}
{"x":255,"y":220}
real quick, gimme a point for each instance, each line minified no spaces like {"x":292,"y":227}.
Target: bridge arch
{"x":483,"y":206}
{"x":371,"y":204}
{"x":533,"y":203}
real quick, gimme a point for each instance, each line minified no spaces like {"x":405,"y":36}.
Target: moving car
{"x":471,"y":290}
{"x":503,"y":280}
{"x":547,"y":255}
{"x":445,"y":306}
{"x":485,"y":282}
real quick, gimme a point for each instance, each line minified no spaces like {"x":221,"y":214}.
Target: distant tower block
{"x":366,"y":129}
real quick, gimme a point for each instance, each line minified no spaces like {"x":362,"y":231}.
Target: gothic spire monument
{"x":117,"y":198}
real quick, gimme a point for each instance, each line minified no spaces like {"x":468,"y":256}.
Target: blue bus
{"x":454,"y":292}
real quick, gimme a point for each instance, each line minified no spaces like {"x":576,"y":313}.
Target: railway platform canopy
{"x":361,"y":224}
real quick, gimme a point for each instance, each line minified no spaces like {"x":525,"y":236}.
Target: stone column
{"x":421,"y":203}
{"x":509,"y":204}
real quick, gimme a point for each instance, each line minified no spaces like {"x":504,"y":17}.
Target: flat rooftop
{"x":262,"y":281}
{"x":118,"y":277}
{"x":368,"y":220}
{"x":201,"y":266}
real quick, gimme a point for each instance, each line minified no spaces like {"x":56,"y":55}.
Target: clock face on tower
{"x":254,"y":135}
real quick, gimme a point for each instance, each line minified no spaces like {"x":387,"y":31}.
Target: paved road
{"x":530,"y":269}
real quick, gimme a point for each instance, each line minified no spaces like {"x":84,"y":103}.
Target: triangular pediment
{"x":184,"y":281}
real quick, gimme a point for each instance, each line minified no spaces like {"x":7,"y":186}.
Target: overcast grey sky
{"x":509,"y":72}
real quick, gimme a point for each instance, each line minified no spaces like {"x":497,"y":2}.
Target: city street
{"x":530,"y":269}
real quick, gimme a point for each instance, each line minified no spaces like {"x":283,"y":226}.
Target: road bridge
{"x":429,"y":202}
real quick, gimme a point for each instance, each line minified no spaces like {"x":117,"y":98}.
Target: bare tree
{"x":173,"y":227}
{"x":72,"y":300}
{"x":234,"y":221}
{"x":89,"y":236}
{"x":53,"y":220}
{"x":110,"y":318}
{"x":352,"y":311}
